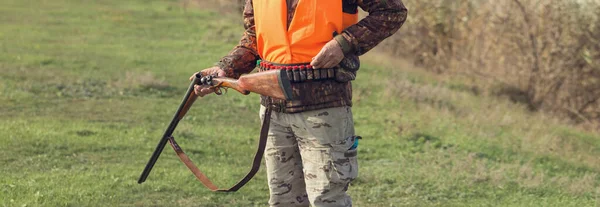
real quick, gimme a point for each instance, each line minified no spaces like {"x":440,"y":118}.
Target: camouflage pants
{"x":307,"y":157}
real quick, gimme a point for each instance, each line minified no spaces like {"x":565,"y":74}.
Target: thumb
{"x":221,"y":73}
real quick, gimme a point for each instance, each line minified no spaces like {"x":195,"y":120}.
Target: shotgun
{"x":271,"y":83}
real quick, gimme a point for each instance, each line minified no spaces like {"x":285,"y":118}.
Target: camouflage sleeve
{"x":242,"y":59}
{"x":384,"y":19}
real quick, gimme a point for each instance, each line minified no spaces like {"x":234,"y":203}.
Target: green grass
{"x":87,"y":88}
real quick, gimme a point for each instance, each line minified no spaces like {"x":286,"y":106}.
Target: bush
{"x":548,"y":50}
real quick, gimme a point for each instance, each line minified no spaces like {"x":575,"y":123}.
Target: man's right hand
{"x":202,"y":90}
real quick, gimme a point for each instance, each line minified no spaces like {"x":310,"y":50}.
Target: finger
{"x":332,"y":62}
{"x":317,"y":61}
{"x":206,"y":90}
{"x":204,"y":72}
{"x":325,"y":60}
{"x":328,"y":63}
{"x":197,"y":89}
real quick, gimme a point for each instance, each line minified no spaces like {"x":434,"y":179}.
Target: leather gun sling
{"x":255,"y":164}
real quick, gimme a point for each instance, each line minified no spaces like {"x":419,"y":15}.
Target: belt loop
{"x":275,"y":106}
{"x":278,"y":107}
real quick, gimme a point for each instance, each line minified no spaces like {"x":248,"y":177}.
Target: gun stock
{"x":271,"y":83}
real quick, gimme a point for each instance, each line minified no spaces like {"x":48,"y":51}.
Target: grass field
{"x":87,"y":88}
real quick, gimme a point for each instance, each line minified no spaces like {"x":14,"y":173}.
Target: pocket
{"x":327,"y":126}
{"x":344,"y":162}
{"x":344,"y":167}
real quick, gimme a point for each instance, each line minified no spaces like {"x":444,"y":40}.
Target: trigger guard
{"x":218,"y":91}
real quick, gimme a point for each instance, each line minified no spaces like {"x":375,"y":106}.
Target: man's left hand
{"x":330,"y":55}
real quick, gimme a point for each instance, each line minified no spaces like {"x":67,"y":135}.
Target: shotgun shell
{"x":309,"y":73}
{"x":296,"y":75}
{"x":316,"y":73}
{"x":290,"y":75}
{"x":330,"y":73}
{"x":302,"y":75}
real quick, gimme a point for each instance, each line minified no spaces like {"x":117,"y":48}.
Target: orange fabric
{"x":312,"y":26}
{"x":349,"y":19}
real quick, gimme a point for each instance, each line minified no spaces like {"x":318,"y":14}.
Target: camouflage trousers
{"x":308,"y":157}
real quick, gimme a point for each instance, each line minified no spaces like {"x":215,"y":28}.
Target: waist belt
{"x":299,"y":72}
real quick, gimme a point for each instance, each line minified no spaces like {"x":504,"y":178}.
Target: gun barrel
{"x":183,"y":107}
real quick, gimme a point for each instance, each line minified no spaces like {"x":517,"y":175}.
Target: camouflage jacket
{"x":384,"y":18}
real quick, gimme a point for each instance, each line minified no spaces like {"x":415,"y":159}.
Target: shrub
{"x":549,"y":50}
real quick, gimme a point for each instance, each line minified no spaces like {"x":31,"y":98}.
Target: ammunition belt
{"x":297,"y":73}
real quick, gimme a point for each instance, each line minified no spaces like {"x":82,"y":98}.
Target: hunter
{"x":310,"y":154}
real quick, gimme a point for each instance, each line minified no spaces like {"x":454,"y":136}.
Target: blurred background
{"x":471,"y":103}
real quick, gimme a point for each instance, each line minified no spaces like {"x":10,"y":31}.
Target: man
{"x":311,"y":152}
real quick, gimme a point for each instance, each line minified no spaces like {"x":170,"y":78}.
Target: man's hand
{"x":202,"y":90}
{"x":330,"y":55}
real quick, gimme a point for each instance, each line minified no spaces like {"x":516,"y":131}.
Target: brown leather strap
{"x":255,"y":164}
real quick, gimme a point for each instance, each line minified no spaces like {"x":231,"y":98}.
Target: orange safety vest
{"x":315,"y":23}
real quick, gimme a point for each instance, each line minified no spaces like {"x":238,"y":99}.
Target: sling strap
{"x":255,"y":164}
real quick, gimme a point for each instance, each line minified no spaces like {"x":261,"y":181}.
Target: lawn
{"x":88,"y":87}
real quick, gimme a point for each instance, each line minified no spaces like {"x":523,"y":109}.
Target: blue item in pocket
{"x":355,"y":145}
